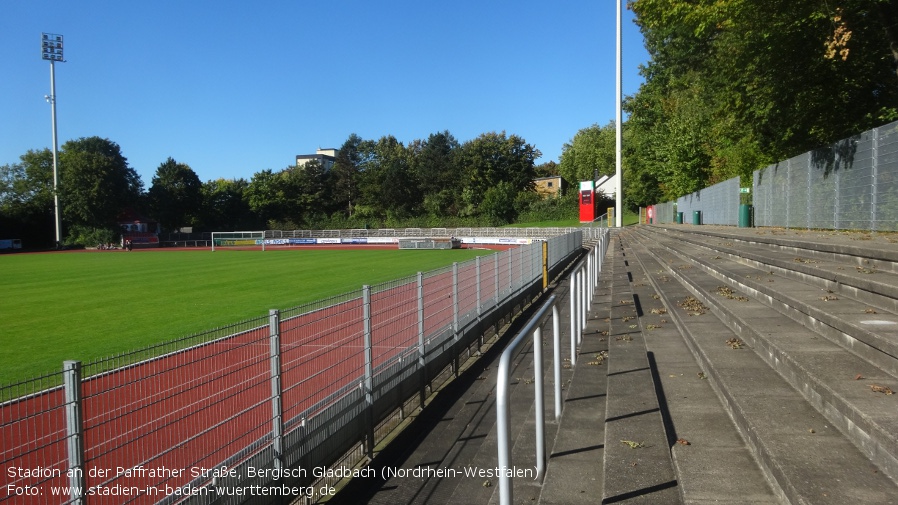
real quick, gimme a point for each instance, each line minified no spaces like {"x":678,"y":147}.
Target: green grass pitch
{"x":89,"y":305}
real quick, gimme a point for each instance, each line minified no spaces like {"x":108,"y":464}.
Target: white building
{"x":327,"y":158}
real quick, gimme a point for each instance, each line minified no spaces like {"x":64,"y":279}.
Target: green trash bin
{"x":696,"y":217}
{"x":744,"y":216}
{"x":679,"y":218}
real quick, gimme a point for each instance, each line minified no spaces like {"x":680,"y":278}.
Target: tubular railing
{"x":583,"y":281}
{"x":503,"y":411}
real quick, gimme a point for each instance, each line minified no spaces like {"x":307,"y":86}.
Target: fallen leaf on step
{"x":881,"y":389}
{"x":682,"y":441}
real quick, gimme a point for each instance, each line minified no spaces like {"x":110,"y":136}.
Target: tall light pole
{"x":51,"y":50}
{"x":618,"y":191}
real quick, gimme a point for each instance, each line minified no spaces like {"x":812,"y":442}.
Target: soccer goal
{"x":238,"y":239}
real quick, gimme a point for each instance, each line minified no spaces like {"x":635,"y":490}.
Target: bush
{"x":87,"y":236}
{"x":563,"y":208}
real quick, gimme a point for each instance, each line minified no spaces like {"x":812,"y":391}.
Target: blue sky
{"x":234,"y":87}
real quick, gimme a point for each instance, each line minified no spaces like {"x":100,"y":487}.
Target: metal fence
{"x":361,"y":235}
{"x":665,"y":212}
{"x":229,"y":410}
{"x":718,"y":204}
{"x":851,"y":184}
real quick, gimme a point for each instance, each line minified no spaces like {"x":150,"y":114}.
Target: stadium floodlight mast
{"x":618,"y":190}
{"x":51,"y":50}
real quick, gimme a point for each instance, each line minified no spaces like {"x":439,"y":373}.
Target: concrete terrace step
{"x":803,"y":289}
{"x":713,"y":464}
{"x":827,"y":374}
{"x":637,"y":463}
{"x":805,"y":458}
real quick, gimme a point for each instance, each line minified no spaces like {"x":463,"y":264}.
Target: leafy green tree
{"x":350,"y":163}
{"x":734,"y":85}
{"x":498,"y":205}
{"x":547,"y":169}
{"x":96,"y":182}
{"x":224,"y":207}
{"x":175,"y":197}
{"x":265,"y":196}
{"x":311,"y":188}
{"x":27,"y":187}
{"x":436,"y":168}
{"x":389,"y":188}
{"x":493,"y":158}
{"x":590,"y":153}
{"x":26,"y":199}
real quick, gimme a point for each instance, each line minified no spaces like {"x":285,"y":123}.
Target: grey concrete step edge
{"x":693,"y":455}
{"x":876,"y":253}
{"x":877,"y":349}
{"x":773,"y":473}
{"x":876,"y":443}
{"x":645,"y":472}
{"x":690,"y":476}
{"x":880,"y":294}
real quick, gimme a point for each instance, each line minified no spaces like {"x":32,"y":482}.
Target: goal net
{"x":238,"y":239}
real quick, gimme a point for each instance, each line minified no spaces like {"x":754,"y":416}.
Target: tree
{"x":492,"y":158}
{"x":26,"y":199}
{"x":27,"y":187}
{"x":310,"y":186}
{"x":547,"y":169}
{"x":96,"y":182}
{"x":176,"y":196}
{"x":734,"y":85}
{"x":224,"y":206}
{"x":389,"y":188}
{"x":265,"y":196}
{"x":350,"y":162}
{"x":590,"y":153}
{"x":436,"y":168}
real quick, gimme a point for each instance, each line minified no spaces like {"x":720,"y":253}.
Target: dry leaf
{"x":881,"y":389}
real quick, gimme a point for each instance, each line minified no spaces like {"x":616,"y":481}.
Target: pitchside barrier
{"x":467,"y":236}
{"x":284,"y":404}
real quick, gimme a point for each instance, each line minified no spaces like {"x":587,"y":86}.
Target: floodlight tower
{"x":51,"y":50}
{"x":619,"y":193}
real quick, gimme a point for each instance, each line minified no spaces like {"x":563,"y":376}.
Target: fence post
{"x":277,"y":410}
{"x":422,"y":365}
{"x":74,"y":430}
{"x":479,"y":306}
{"x":538,"y":403}
{"x":556,"y":354}
{"x":496,"y":276}
{"x":455,"y":335}
{"x":788,"y":192}
{"x":873,"y":187}
{"x":573,"y":296}
{"x":808,"y":198}
{"x":369,"y":372}
{"x":584,"y":296}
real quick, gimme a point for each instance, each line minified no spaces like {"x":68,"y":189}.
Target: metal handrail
{"x":584,"y":279}
{"x":503,"y":418}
